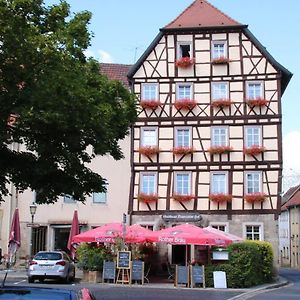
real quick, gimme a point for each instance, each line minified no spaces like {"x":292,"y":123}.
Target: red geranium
{"x":152,"y":104}
{"x":183,"y":150}
{"x":220,"y":60}
{"x":147,"y":198}
{"x":254,"y":150}
{"x":219,"y":149}
{"x":185,"y":62}
{"x":182,"y":198}
{"x":148,"y":150}
{"x":185,"y":104}
{"x":220,"y":197}
{"x":257,"y":102}
{"x":221,"y":103}
{"x":255,"y":197}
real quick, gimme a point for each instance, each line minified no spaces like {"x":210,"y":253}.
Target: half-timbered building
{"x":207,"y":143}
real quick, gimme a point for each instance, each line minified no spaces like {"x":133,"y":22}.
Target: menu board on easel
{"x":123,"y":260}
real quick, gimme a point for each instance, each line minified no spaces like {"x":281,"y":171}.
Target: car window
{"x":48,"y":256}
{"x":33,"y":295}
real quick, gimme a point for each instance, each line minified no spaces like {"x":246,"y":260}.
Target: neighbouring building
{"x":207,"y":144}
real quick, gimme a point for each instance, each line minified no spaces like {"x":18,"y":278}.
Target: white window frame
{"x":155,"y":182}
{"x":185,"y":84}
{"x":212,"y":174}
{"x":223,"y":54}
{"x":189,"y":129}
{"x":144,"y":86}
{"x":143,"y":130}
{"x":103,"y":196}
{"x":216,"y":96}
{"x":225,"y":224}
{"x":248,"y":83}
{"x":179,"y":52}
{"x":260,"y":187}
{"x":214,"y":134}
{"x":189,"y":174}
{"x":147,"y":224}
{"x":246,"y":134}
{"x":68,"y":199}
{"x":261,"y":229}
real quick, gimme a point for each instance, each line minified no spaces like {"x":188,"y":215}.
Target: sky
{"x":123,"y":29}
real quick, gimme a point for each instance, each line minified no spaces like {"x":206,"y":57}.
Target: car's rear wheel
{"x":30,"y":280}
{"x":72,"y":278}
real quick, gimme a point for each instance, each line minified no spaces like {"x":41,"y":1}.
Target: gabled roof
{"x":291,"y":198}
{"x":201,"y":14}
{"x":116,"y":72}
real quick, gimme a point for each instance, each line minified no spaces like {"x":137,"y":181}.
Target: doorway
{"x":179,"y":254}
{"x":61,"y":236}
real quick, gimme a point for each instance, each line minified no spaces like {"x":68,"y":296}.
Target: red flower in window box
{"x":220,"y":197}
{"x":184,"y":62}
{"x":220,"y":60}
{"x":219,"y":149}
{"x":183,"y":198}
{"x":152,"y":104}
{"x":185,"y":104}
{"x":254,"y":150}
{"x":255,"y":197}
{"x":257,"y":102}
{"x":147,"y":198}
{"x":221,"y":103}
{"x":149,"y":150}
{"x":183,"y":150}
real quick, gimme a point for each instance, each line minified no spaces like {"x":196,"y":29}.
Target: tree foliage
{"x":54,"y":102}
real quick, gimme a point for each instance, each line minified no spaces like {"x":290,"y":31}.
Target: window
{"x":148,"y":183}
{"x":184,"y":91}
{"x":182,"y":183}
{"x":69,"y":199}
{"x":182,"y":137}
{"x":253,"y":232}
{"x":253,"y":182}
{"x":148,"y":226}
{"x":100,"y":197}
{"x":219,"y":227}
{"x":219,"y":90}
{"x":149,"y":136}
{"x":219,"y":49}
{"x":218,"y":183}
{"x":253,"y":136}
{"x":254,"y":90}
{"x":184,"y":49}
{"x":219,"y":136}
{"x":149,"y":91}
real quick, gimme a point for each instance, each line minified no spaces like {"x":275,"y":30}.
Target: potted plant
{"x":219,"y":149}
{"x":151,"y":104}
{"x":220,"y":60}
{"x":182,"y":198}
{"x":254,"y":150}
{"x":148,"y":150}
{"x":184,"y":62}
{"x":183,"y":150}
{"x":185,"y":104}
{"x":221,"y":103}
{"x":147,"y":198}
{"x":257,"y":102}
{"x":220,"y":197}
{"x":255,"y":197}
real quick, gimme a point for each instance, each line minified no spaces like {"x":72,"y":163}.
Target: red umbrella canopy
{"x":188,"y":234}
{"x":74,"y":231}
{"x":15,"y":232}
{"x":138,"y":234}
{"x":232,"y":237}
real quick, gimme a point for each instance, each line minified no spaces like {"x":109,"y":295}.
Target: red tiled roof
{"x":294,"y":200}
{"x":116,"y":72}
{"x":201,"y":14}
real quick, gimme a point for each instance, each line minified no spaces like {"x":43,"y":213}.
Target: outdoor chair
{"x":146,"y":279}
{"x":171,"y":271}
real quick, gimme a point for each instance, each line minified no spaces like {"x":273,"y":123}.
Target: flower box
{"x":254,"y":150}
{"x":219,"y":149}
{"x":151,"y":104}
{"x":149,"y":150}
{"x":221,"y":103}
{"x":257,"y":102}
{"x":255,"y":197}
{"x":184,"y":62}
{"x":183,"y":198}
{"x":183,"y":150}
{"x":147,"y":198}
{"x":185,"y":104}
{"x":222,"y":60}
{"x":220,"y":197}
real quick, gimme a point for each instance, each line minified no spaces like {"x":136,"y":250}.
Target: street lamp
{"x":32,"y":209}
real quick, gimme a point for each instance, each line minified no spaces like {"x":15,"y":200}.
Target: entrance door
{"x":39,"y":238}
{"x":179,"y":254}
{"x":61,"y":236}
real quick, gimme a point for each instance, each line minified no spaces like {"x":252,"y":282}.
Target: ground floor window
{"x":253,"y":232}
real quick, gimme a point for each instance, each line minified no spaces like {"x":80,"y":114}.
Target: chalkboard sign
{"x":197,"y":275}
{"x":123,"y":260}
{"x":109,"y":271}
{"x":137,"y":271}
{"x":182,"y":275}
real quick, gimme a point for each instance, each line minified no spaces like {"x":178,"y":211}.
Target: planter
{"x":221,"y":103}
{"x":185,"y":104}
{"x":85,"y":275}
{"x":183,"y":150}
{"x":219,"y":149}
{"x":220,"y":61}
{"x":254,"y":150}
{"x":150,"y":104}
{"x":182,"y":198}
{"x":255,"y":197}
{"x":147,"y":198}
{"x":94,"y":276}
{"x":259,"y":102}
{"x":220,"y":198}
{"x":148,"y":150}
{"x":185,"y":62}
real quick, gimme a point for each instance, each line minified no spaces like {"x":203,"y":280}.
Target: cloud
{"x":100,"y":55}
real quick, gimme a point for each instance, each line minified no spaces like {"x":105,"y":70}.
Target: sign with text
{"x":197,"y":275}
{"x":123,"y":260}
{"x":181,"y":217}
{"x":109,"y":270}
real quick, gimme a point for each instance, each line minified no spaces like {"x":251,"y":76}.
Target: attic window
{"x":184,"y":50}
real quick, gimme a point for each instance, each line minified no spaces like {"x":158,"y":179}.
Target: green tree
{"x":61,"y":110}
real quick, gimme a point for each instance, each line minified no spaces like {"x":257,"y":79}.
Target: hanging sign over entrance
{"x":182,"y":217}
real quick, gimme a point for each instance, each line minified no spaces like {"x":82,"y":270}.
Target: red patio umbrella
{"x":138,"y":234}
{"x":14,"y":241}
{"x":232,"y":237}
{"x":74,"y":231}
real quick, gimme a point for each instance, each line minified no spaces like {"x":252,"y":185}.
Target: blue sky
{"x":124,"y":29}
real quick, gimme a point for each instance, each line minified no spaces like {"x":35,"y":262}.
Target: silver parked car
{"x":51,"y":265}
